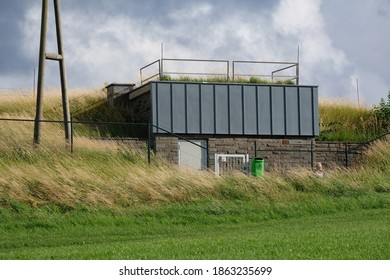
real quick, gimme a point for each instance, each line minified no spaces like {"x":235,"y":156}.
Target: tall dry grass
{"x":103,"y":174}
{"x":23,"y":105}
{"x":344,"y":121}
{"x":109,"y":179}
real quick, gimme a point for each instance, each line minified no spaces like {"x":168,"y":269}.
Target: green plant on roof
{"x":223,"y":79}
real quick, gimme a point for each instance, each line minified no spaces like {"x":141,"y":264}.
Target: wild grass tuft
{"x":221,"y":79}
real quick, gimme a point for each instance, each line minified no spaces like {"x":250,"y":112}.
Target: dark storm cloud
{"x":157,"y":10}
{"x":13,"y":59}
{"x":109,"y":40}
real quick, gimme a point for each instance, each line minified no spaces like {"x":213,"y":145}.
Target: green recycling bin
{"x":258,"y":167}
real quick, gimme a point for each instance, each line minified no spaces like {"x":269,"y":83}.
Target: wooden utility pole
{"x":357,"y":91}
{"x":41,"y":71}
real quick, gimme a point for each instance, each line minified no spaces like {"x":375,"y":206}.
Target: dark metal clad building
{"x":234,"y":109}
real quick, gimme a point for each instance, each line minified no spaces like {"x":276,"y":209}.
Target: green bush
{"x":382,"y":113}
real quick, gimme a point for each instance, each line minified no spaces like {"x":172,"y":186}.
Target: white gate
{"x":225,"y":163}
{"x":193,"y":154}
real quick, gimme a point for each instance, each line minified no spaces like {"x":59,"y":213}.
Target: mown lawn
{"x":162,"y":234}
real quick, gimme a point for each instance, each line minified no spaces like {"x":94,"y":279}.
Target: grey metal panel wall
{"x":316,"y":120}
{"x":207,"y":109}
{"x":234,"y":109}
{"x":306,"y":110}
{"x":250,"y":109}
{"x":278,"y":110}
{"x":221,"y":109}
{"x":292,"y":111}
{"x":164,"y":98}
{"x":153,"y":94}
{"x":178,"y":108}
{"x":193,"y":108}
{"x":264,"y":112}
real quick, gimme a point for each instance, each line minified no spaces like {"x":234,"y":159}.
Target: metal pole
{"x":312,"y":155}
{"x":65,"y":101}
{"x":297,"y":67}
{"x":255,"y":149}
{"x":162,"y":61}
{"x":149,"y":139}
{"x":233,"y":73}
{"x":357,"y":91}
{"x":227,"y":74}
{"x":71,"y":137}
{"x":41,"y":73}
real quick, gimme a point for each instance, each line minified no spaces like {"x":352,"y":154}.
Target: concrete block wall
{"x":278,"y":154}
{"x":118,"y":94}
{"x":332,"y":154}
{"x":167,"y":148}
{"x":138,"y":110}
{"x":135,"y":143}
{"x":274,"y":151}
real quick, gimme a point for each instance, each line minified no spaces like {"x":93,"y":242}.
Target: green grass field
{"x":194,"y":232}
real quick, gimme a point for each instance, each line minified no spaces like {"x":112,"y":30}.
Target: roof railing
{"x":160,"y":71}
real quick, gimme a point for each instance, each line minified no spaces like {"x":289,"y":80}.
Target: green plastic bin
{"x":258,"y":167}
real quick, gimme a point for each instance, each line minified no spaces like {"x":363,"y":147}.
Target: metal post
{"x":255,"y":149}
{"x":228,"y":74}
{"x":233,"y":73}
{"x":149,"y":140}
{"x":71,"y":137}
{"x":297,"y":68}
{"x":65,"y":101}
{"x":162,"y":62}
{"x":41,"y":73}
{"x":312,"y":155}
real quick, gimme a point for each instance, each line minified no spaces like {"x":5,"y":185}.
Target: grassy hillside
{"x":118,"y":176}
{"x":343,"y":121}
{"x":85,"y":105}
{"x":106,"y":202}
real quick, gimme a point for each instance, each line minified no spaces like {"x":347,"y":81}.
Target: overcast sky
{"x":109,"y":40}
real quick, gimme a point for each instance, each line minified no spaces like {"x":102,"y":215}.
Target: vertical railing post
{"x":228,"y":72}
{"x":233,"y":71}
{"x":297,"y":67}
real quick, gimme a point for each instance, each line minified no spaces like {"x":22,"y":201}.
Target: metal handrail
{"x":296,"y":77}
{"x":291,"y":65}
{"x":154,"y":75}
{"x":197,"y":73}
{"x":369,"y":142}
{"x":161,"y":71}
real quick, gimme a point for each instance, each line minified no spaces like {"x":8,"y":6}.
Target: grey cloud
{"x":11,"y":16}
{"x":108,"y":40}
